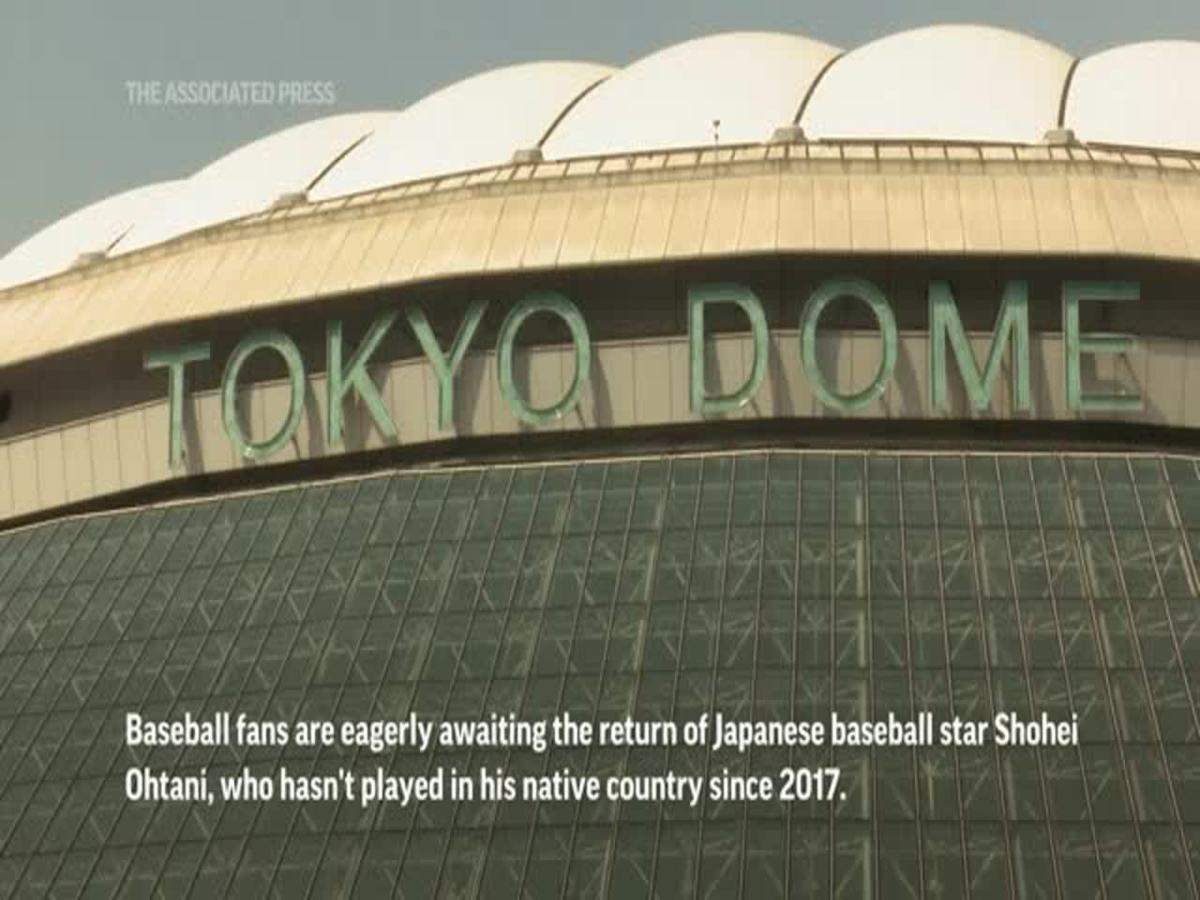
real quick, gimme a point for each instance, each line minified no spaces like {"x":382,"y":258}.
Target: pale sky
{"x":71,"y":135}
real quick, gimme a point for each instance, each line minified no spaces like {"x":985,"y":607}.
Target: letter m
{"x":946,"y":326}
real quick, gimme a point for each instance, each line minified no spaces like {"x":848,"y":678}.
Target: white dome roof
{"x":1145,"y":95}
{"x":474,"y":123}
{"x":93,"y":229}
{"x":752,"y":82}
{"x":254,"y":176}
{"x":945,"y":82}
{"x":951,"y":83}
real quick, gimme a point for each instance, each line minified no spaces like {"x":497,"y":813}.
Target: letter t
{"x":174,"y":360}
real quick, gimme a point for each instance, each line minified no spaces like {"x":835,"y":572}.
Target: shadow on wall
{"x":193,"y":451}
{"x":781,"y":391}
{"x":601,"y":399}
{"x":908,"y":386}
{"x":468,"y":390}
{"x":316,"y":430}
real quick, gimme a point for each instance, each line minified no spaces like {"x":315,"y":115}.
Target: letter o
{"x":825,"y":294}
{"x":135,"y":784}
{"x":265,"y":339}
{"x":556,"y":304}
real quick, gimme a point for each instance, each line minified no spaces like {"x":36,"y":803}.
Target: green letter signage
{"x":266,"y":339}
{"x":445,"y":368}
{"x":355,"y":375}
{"x":1076,"y":344}
{"x":174,"y":361}
{"x":810,"y":316}
{"x":1012,"y":322}
{"x":560,"y":306}
{"x":744,"y":299}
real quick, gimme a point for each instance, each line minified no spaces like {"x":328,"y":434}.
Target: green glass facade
{"x":762,"y":585}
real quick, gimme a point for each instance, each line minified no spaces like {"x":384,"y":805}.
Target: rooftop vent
{"x":290,"y":198}
{"x":788,"y":134}
{"x":89,"y":258}
{"x":1060,"y":137}
{"x":527,"y":155}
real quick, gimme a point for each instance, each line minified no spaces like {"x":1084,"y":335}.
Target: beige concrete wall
{"x":950,"y":201}
{"x":643,"y":382}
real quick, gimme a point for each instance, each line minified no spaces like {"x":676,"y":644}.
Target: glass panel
{"x":773,"y":585}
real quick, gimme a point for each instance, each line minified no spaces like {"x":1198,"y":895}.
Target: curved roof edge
{"x":734,"y":88}
{"x":254,"y":176}
{"x":471,"y":124}
{"x":86,"y":234}
{"x":1137,"y":95}
{"x":942,"y":82}
{"x":954,"y":84}
{"x":760,"y":207}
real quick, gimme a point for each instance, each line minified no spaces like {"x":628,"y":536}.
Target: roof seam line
{"x":337,"y":159}
{"x":1066,"y":90}
{"x":567,"y":109}
{"x":813,"y":86}
{"x":120,"y":237}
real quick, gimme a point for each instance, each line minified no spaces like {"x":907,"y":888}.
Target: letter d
{"x":748,"y":303}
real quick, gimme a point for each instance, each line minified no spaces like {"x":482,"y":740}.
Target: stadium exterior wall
{"x":658,"y":226}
